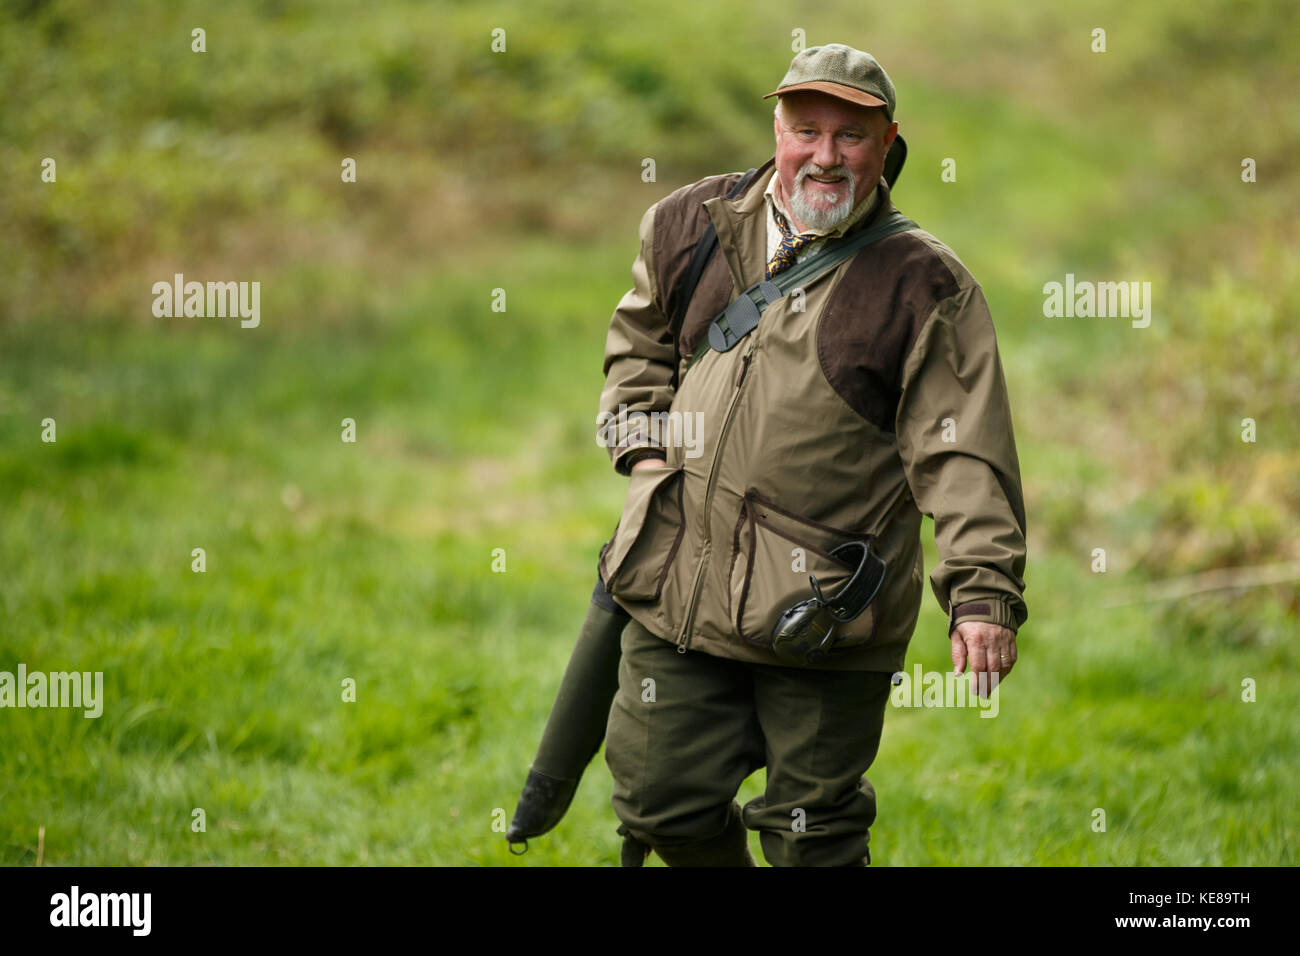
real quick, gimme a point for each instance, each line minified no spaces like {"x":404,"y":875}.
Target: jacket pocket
{"x":636,"y":561}
{"x":774,"y":551}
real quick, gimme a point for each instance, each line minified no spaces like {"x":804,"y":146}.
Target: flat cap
{"x":841,"y":71}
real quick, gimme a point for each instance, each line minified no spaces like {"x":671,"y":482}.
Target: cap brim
{"x":833,"y":89}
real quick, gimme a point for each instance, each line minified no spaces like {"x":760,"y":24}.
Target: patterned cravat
{"x":788,"y":251}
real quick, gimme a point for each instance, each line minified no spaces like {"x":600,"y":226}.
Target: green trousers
{"x":686,"y":730}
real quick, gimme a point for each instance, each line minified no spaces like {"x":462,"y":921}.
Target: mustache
{"x":812,"y":169}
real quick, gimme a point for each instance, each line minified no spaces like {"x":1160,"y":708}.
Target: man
{"x":867,"y":397}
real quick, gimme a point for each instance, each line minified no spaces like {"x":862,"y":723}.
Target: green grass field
{"x":372,"y":561}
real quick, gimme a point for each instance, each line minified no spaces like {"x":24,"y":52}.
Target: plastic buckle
{"x":741,"y":316}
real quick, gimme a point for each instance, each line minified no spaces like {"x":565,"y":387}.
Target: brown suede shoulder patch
{"x":712,"y":295}
{"x":680,"y":222}
{"x":873,"y":318}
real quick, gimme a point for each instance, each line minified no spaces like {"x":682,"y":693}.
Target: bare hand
{"x":991,"y":649}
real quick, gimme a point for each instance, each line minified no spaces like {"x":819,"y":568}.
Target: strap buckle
{"x":741,"y":316}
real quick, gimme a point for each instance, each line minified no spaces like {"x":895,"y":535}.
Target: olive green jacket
{"x":873,"y":397}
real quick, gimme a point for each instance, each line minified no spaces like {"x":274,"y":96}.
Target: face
{"x":829,"y":156}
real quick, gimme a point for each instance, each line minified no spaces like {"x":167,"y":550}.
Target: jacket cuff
{"x":993,"y":610}
{"x":625,"y":456}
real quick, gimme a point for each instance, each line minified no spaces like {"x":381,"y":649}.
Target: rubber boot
{"x":728,"y":848}
{"x":634,"y":852}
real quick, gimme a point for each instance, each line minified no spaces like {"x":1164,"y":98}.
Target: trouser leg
{"x":728,"y":848}
{"x":681,"y":738}
{"x":822,"y":730}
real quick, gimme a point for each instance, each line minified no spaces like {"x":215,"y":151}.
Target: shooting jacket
{"x":875,"y":396}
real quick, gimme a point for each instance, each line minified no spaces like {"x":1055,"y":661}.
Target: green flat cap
{"x":840,"y":71}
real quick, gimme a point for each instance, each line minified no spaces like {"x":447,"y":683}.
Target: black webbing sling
{"x":741,"y":317}
{"x":679,"y":298}
{"x":681,"y":295}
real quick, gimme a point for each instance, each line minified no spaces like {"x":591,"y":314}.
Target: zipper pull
{"x":744,"y":366}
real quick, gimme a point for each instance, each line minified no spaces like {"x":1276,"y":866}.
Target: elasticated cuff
{"x":626,"y":456}
{"x":992,"y":610}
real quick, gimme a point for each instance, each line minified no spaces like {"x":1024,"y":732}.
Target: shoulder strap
{"x":679,"y":298}
{"x":742,"y":315}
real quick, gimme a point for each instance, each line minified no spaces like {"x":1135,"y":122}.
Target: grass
{"x":329,"y":561}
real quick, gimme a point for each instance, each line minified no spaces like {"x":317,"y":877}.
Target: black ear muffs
{"x":894,"y":160}
{"x":805,"y":633}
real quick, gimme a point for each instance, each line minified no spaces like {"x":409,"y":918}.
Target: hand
{"x":652,"y":462}
{"x":991,"y":649}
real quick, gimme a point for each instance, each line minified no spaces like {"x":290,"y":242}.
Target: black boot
{"x":634,"y":851}
{"x":728,"y":848}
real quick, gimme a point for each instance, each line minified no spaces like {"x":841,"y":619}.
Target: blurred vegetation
{"x":522,"y":170}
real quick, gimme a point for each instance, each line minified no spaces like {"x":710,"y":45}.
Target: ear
{"x":890,"y":132}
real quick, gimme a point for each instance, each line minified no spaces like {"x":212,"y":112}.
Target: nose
{"x":826,"y":153}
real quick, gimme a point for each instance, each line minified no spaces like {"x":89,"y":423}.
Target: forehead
{"x":820,"y":109}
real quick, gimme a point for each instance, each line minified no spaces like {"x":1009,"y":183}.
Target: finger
{"x":1007,"y":654}
{"x":990,"y":673}
{"x":1004,"y":661}
{"x":979,"y":662}
{"x":958,"y":653}
{"x":992,"y":655}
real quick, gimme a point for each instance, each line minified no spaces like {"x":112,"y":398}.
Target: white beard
{"x":818,"y":215}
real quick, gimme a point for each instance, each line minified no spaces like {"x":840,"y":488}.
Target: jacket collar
{"x":741,"y":224}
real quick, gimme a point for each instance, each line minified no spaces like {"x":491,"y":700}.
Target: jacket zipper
{"x":684,"y":638}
